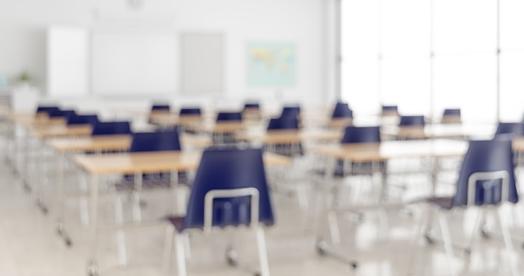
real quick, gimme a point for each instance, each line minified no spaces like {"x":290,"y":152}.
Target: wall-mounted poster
{"x":271,"y":64}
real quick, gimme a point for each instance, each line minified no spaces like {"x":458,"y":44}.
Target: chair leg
{"x":479,"y":223}
{"x":83,"y":204}
{"x":180,"y":254}
{"x":419,"y":233}
{"x":187,"y":246}
{"x":120,"y":235}
{"x":510,"y":251}
{"x":446,"y":236}
{"x":334,"y":229}
{"x":168,"y":249}
{"x":262,"y":252}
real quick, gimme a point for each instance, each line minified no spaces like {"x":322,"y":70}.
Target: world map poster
{"x":271,"y":64}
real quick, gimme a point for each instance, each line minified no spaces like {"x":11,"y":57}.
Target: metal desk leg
{"x":137,"y":209}
{"x":434,"y":175}
{"x":40,"y":179}
{"x":60,"y":200}
{"x":92,"y":265}
{"x":384,"y":183}
{"x":176,"y":195}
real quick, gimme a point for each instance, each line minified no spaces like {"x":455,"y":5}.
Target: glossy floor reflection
{"x":29,"y":245}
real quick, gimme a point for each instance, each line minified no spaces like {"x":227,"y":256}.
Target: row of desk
{"x":69,"y":144}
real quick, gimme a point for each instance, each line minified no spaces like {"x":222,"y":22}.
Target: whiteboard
{"x":133,"y":63}
{"x":67,"y":61}
{"x":202,"y":63}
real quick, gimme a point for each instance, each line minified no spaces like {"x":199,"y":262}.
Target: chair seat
{"x":442,"y":201}
{"x":364,"y":168}
{"x":177,"y":222}
{"x":149,"y":181}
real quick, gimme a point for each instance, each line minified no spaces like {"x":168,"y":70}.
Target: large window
{"x":428,"y":55}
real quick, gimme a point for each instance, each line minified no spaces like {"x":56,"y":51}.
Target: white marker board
{"x":202,"y":63}
{"x":67,"y":61}
{"x":134,"y":63}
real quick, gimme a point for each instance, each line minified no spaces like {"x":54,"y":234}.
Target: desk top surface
{"x":131,"y":163}
{"x":394,"y":149}
{"x":114,"y":143}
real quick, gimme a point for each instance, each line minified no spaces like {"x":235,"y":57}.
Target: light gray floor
{"x":29,"y":245}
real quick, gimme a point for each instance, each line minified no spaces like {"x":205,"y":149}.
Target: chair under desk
{"x":137,"y":164}
{"x":439,"y":131}
{"x":435,"y":150}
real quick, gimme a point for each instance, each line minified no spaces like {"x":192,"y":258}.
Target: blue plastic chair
{"x":288,"y":123}
{"x":486,"y":179}
{"x":341,"y":111}
{"x":452,"y":112}
{"x":412,"y":121}
{"x":451,"y":115}
{"x":111,"y":128}
{"x":59,"y":113}
{"x":230,"y":189}
{"x":512,"y":129}
{"x":168,"y":140}
{"x":160,"y":107}
{"x":283,"y":123}
{"x":226,"y":117}
{"x":291,"y":111}
{"x":252,"y":106}
{"x":359,"y":135}
{"x":390,"y":109}
{"x":229,"y":117}
{"x":76,"y":119}
{"x":46,"y":109}
{"x":190,"y":111}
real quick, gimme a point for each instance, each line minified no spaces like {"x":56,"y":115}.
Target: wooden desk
{"x":220,"y":127}
{"x":171,"y":119}
{"x":341,"y":123}
{"x":440,"y":131}
{"x":431,"y":149}
{"x":113,"y":143}
{"x":393,"y":149}
{"x":138,"y":163}
{"x":29,"y":120}
{"x":62,"y":131}
{"x":91,"y":144}
{"x":252,"y":114}
{"x":456,"y":120}
{"x":277,"y":137}
{"x":518,"y":144}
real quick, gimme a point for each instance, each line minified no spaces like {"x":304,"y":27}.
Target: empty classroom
{"x":261,"y":137}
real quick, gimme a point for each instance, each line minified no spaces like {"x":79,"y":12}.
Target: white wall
{"x":303,"y":22}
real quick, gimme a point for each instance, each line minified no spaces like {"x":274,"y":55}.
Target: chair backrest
{"x":514,"y":129}
{"x":168,"y":140}
{"x":390,"y":109}
{"x":86,"y":119}
{"x":488,"y":159}
{"x":291,"y":111}
{"x":361,"y":135}
{"x":46,"y":109}
{"x":452,"y":112}
{"x":60,"y":113}
{"x":283,"y":123}
{"x":252,"y":105}
{"x":229,"y":169}
{"x":111,"y":128}
{"x":192,"y":111}
{"x":229,"y":117}
{"x":160,"y":107}
{"x":412,"y":121}
{"x":341,"y":110}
